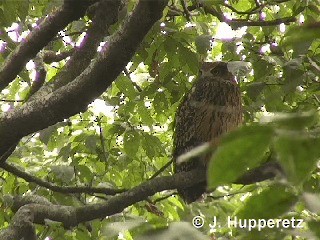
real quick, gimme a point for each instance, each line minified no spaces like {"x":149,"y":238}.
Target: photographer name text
{"x":250,"y":224}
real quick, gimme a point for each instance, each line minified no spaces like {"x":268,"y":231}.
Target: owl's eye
{"x":214,"y":71}
{"x":219,"y":71}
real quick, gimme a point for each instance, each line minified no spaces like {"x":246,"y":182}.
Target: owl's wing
{"x":195,"y":121}
{"x":192,"y":126}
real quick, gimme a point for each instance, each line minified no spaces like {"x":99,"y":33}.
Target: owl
{"x":210,"y":109}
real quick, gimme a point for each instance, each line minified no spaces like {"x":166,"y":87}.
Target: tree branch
{"x":164,"y":167}
{"x":118,"y":203}
{"x":105,"y":15}
{"x":21,"y":226}
{"x":236,"y":23}
{"x":9,"y":100}
{"x":76,"y":95}
{"x":41,"y":209}
{"x":40,"y":37}
{"x":79,"y":189}
{"x":38,"y":209}
{"x":40,"y":77}
{"x":51,"y":56}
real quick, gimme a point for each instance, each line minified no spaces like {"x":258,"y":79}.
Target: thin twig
{"x":133,"y":83}
{"x":8,"y":100}
{"x":185,"y":10}
{"x":102,"y":141}
{"x":161,"y":169}
{"x":79,"y":189}
{"x":165,"y":197}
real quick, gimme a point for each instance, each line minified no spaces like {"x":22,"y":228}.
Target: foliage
{"x":129,"y":138}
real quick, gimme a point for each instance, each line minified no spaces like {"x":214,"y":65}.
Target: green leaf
{"x":9,"y":13}
{"x":82,"y":234}
{"x":152,"y":145}
{"x":254,"y":89}
{"x":91,"y":142}
{"x":270,"y":203}
{"x":85,"y":174}
{"x":298,"y":34}
{"x":261,"y":69}
{"x":112,"y":229}
{"x":298,"y":120}
{"x":297,"y":155}
{"x":186,"y":56}
{"x":64,"y":173}
{"x":45,"y":134}
{"x":22,"y":9}
{"x":243,"y":5}
{"x":131,"y":142}
{"x":314,"y":8}
{"x":170,"y":45}
{"x":240,"y":150}
{"x":115,"y":129}
{"x":299,"y":38}
{"x":65,"y":152}
{"x":293,"y":75}
{"x":144,"y":114}
{"x":125,"y":86}
{"x":160,"y":102}
{"x":126,"y":110}
{"x":81,"y":137}
{"x":178,"y":230}
{"x":315,"y":227}
{"x":272,"y":96}
{"x":203,"y":43}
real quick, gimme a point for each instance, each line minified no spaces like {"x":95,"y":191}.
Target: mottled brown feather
{"x":211,"y":109}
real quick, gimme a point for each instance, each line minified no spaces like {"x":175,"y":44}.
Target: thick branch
{"x":75,"y":96}
{"x":105,"y":15}
{"x":38,"y":38}
{"x":21,"y":227}
{"x":264,"y":172}
{"x":41,"y":209}
{"x":118,"y":203}
{"x":29,"y":178}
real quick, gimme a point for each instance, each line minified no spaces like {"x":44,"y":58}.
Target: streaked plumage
{"x":210,"y":109}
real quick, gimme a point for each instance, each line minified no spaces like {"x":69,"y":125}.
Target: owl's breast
{"x":211,"y":109}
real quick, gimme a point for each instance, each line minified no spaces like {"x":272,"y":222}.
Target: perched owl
{"x":211,"y":109}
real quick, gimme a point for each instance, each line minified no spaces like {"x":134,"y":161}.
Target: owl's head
{"x":216,"y":69}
